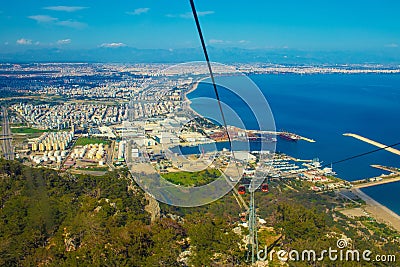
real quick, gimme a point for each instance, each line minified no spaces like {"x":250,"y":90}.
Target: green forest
{"x":48,"y":218}
{"x":56,"y":219}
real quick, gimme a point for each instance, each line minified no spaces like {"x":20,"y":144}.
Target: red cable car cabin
{"x":264,"y":188}
{"x":241,"y":190}
{"x":243,"y":217}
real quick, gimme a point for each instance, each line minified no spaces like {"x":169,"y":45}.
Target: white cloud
{"x":216,"y":41}
{"x":64,"y":41}
{"x":24,"y":41}
{"x":204,"y":13}
{"x":42,"y":18}
{"x":65,"y":8}
{"x":227,"y":42}
{"x":139,"y":11}
{"x":189,"y":15}
{"x":112,"y":45}
{"x":56,"y":21}
{"x":393,"y":45}
{"x":72,"y":24}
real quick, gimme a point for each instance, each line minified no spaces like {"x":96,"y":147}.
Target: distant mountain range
{"x":217,"y":54}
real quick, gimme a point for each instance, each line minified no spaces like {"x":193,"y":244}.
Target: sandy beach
{"x":187,"y":100}
{"x":194,"y":87}
{"x":378,"y":211}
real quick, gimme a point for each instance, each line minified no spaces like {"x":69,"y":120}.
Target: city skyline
{"x":314,"y":26}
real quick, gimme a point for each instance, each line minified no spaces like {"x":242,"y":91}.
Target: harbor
{"x":283,"y":134}
{"x":392,"y":177}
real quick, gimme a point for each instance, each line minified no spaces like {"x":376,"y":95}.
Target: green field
{"x":82,"y":141}
{"x":27,"y":130}
{"x":192,"y":178}
{"x":97,"y":169}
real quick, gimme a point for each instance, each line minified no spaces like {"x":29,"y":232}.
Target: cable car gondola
{"x":243,"y":217}
{"x":242,"y":190}
{"x":264,"y":188}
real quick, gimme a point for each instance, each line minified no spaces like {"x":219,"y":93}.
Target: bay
{"x":323,"y":107}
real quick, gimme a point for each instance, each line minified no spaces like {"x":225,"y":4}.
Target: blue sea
{"x":323,"y":107}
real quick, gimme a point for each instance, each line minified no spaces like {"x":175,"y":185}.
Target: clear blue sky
{"x":309,"y":24}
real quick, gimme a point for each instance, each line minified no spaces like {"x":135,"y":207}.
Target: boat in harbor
{"x":289,"y":136}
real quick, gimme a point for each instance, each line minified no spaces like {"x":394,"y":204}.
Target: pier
{"x":374,"y":143}
{"x":385,"y":168}
{"x":278,"y":133}
{"x":363,"y":183}
{"x":300,"y":160}
{"x":306,"y":139}
{"x":394,"y":176}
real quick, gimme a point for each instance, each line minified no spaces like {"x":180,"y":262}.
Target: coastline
{"x":380,"y":212}
{"x":187,"y":100}
{"x":194,"y":87}
{"x":377,"y":210}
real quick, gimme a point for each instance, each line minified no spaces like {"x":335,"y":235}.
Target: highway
{"x":7,"y":148}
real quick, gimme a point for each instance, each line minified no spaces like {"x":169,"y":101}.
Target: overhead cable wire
{"x":203,"y":44}
{"x":363,"y":154}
